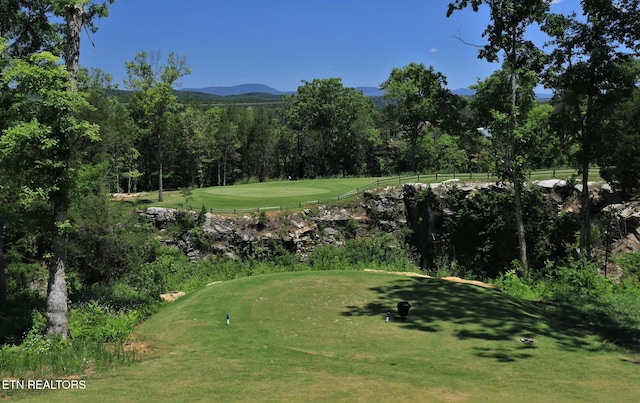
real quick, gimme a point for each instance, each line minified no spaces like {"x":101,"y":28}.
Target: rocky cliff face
{"x":298,"y":232}
{"x":393,"y":209}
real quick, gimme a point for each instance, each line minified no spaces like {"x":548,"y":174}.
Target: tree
{"x":30,"y":26}
{"x":420,"y":100}
{"x":27,"y":28}
{"x":327,"y":118}
{"x":257,"y":139}
{"x":193,"y":131}
{"x":115,"y":156}
{"x":543,"y":149}
{"x":154,"y":100}
{"x":618,"y":159}
{"x":45,"y":146}
{"x":587,"y":73}
{"x":227,"y":145}
{"x":506,"y":35}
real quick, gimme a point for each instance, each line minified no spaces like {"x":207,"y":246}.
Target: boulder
{"x":162,"y":216}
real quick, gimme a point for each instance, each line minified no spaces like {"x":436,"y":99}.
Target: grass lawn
{"x":322,"y":336}
{"x":294,"y":194}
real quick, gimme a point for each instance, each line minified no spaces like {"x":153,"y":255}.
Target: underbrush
{"x":379,"y":252}
{"x":604,"y":307}
{"x":97,"y":341}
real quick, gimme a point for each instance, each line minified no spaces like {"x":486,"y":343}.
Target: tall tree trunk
{"x":159,"y":138}
{"x":57,"y":309}
{"x":414,"y":146}
{"x":522,"y":241}
{"x":224,"y":172}
{"x":585,"y":218}
{"x":517,"y":183}
{"x":74,"y":27}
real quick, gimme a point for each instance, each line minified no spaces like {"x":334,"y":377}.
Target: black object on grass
{"x":403,"y":308}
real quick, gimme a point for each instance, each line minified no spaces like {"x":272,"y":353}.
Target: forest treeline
{"x":204,"y":145}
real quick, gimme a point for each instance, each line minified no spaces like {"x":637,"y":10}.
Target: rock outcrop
{"x":394,"y":209}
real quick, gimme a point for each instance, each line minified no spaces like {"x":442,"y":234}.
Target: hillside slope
{"x":322,"y":336}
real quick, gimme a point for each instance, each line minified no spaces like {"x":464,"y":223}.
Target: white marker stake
{"x":227,"y":319}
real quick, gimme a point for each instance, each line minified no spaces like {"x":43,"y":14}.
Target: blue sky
{"x":282,"y":42}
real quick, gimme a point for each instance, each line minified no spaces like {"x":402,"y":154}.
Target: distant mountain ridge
{"x":238,"y":90}
{"x":243,"y":89}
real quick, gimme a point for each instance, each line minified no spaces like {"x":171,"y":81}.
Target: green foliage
{"x":479,"y":235}
{"x":377,"y":251}
{"x":91,"y":327}
{"x":630,"y":264}
{"x":618,"y":159}
{"x":328,"y":257}
{"x":577,"y":282}
{"x":109,"y":241}
{"x":444,"y":267}
{"x":421,"y":102}
{"x":151,"y":279}
{"x":94,"y":323}
{"x":187,"y":194}
{"x":351,"y":228}
{"x":331,"y":126}
{"x":263,"y":220}
{"x":513,"y":284}
{"x":153,"y":102}
{"x":42,"y":147}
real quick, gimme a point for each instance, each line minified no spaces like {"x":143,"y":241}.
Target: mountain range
{"x":265,"y":89}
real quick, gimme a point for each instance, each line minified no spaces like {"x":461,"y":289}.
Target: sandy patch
{"x":402,"y":273}
{"x":454,"y":279}
{"x":172,"y":296}
{"x":474,"y":282}
{"x":136,"y":347}
{"x":215,"y":282}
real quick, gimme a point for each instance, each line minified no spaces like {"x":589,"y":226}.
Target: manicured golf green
{"x":275,"y":195}
{"x":322,"y":336}
{"x":270,"y":195}
{"x":272,"y":190}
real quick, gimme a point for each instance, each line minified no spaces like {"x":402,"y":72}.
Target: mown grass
{"x":322,"y":336}
{"x":295,"y":194}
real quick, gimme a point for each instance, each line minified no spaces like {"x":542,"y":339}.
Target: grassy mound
{"x":322,"y":336}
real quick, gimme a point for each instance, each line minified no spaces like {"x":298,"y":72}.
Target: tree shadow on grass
{"x":503,"y":354}
{"x":480,"y":313}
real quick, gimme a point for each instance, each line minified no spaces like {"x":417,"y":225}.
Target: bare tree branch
{"x":459,"y":37}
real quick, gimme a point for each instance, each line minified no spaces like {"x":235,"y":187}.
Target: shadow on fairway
{"x":475,"y":312}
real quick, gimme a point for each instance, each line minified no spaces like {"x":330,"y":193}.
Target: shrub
{"x":580,"y":282}
{"x":443,"y":267}
{"x":630,"y":264}
{"x":92,"y":322}
{"x":328,"y":257}
{"x":510,"y":283}
{"x":351,"y":228}
{"x":382,"y":250}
